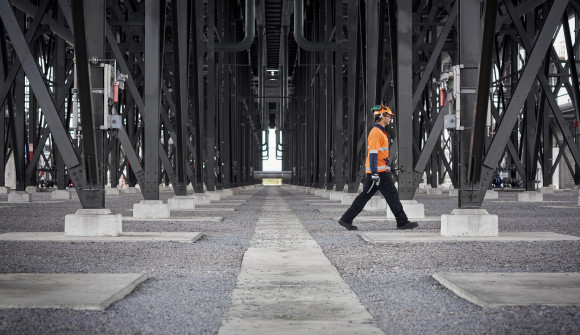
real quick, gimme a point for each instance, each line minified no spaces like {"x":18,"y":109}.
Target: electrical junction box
{"x":449,"y":121}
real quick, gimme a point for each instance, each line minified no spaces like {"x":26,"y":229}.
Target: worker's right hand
{"x":375,"y":176}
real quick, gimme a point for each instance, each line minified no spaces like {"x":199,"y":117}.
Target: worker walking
{"x":378,"y":174}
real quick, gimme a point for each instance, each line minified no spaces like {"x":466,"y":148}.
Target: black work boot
{"x":406,"y":224}
{"x":347,"y":225}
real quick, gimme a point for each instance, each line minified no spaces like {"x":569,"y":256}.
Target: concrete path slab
{"x":287,"y":286}
{"x":209,"y":209}
{"x":334,"y":203}
{"x":184,"y":237}
{"x":225,"y":203}
{"x":514,"y":289}
{"x":178,"y":219}
{"x":88,"y":291}
{"x":390,"y":237}
{"x":562,"y":206}
{"x":362,"y":218}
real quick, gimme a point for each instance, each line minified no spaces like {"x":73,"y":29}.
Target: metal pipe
{"x":250,"y":27}
{"x":299,"y":32}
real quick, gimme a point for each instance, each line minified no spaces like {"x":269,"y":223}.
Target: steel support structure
{"x":198,"y":90}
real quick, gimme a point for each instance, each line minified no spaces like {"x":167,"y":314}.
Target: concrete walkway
{"x":287,"y":286}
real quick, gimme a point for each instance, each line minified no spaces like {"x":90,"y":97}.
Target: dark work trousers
{"x":387,"y":189}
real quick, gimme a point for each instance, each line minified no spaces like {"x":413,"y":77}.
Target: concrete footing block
{"x":420,"y":190}
{"x":201,"y":198}
{"x":348,"y":198}
{"x":546,"y":190}
{"x":60,"y":195}
{"x":578,"y":200}
{"x":32,"y":189}
{"x":318,"y":192}
{"x":181,"y":202}
{"x":4,"y":190}
{"x":412,"y":208}
{"x":167,"y":188}
{"x":376,"y":204}
{"x":226,"y":192}
{"x":453,"y":192}
{"x":213,"y":195}
{"x":130,"y":190}
{"x":93,"y":222}
{"x":151,"y":209}
{"x":19,"y":196}
{"x":434,"y":191}
{"x":336,"y":196}
{"x":491,"y":194}
{"x":112,"y":191}
{"x":469,"y":222}
{"x":325,"y":194}
{"x":530,"y":196}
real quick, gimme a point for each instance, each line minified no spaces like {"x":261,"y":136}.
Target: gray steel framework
{"x":200,"y":82}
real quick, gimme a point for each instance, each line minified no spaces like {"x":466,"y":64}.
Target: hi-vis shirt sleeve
{"x":373,"y":146}
{"x":374,"y":141}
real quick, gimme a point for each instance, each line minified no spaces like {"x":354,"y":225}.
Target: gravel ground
{"x":189,"y":286}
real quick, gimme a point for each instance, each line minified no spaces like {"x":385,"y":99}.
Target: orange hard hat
{"x":378,"y":111}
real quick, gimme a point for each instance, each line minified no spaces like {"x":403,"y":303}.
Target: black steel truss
{"x":202,"y":81}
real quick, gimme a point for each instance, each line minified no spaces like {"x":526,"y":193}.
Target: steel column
{"x":404,"y":97}
{"x":154,"y":10}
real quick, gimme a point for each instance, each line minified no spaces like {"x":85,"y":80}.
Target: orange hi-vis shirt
{"x":377,"y":146}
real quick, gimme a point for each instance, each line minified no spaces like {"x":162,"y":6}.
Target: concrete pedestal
{"x":376,"y":204}
{"x":93,"y":222}
{"x":469,"y":222}
{"x":412,"y":208}
{"x":130,"y":190}
{"x":112,"y":191}
{"x":420,"y":190}
{"x":166,"y":188}
{"x":31,"y":189}
{"x":578,"y":200}
{"x":4,"y":190}
{"x":453,"y":192}
{"x":325,"y":194}
{"x":19,"y":196}
{"x":60,"y":195}
{"x":348,"y":198}
{"x":213,"y":195}
{"x":201,"y":198}
{"x":151,"y":209}
{"x":181,"y":202}
{"x":434,"y":191}
{"x":336,"y":195}
{"x":318,"y":192}
{"x":491,"y":194}
{"x":530,"y":196}
{"x":546,"y":190}
{"x":226,"y":192}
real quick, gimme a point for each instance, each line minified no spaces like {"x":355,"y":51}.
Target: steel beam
{"x":154,"y":23}
{"x":404,"y":97}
